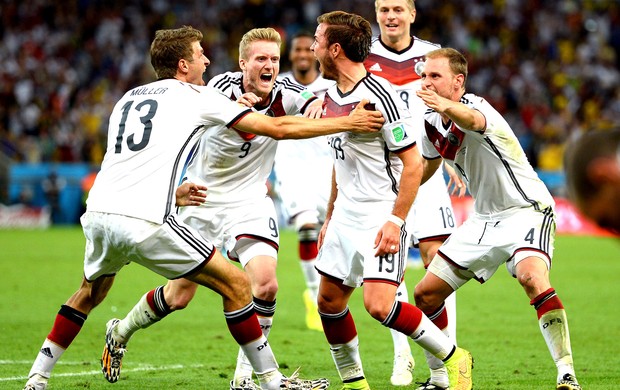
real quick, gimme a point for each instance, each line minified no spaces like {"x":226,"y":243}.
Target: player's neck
{"x":397,"y":43}
{"x":305,"y":77}
{"x":350,"y":76}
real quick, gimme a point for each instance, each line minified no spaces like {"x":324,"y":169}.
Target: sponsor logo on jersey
{"x":375,"y":68}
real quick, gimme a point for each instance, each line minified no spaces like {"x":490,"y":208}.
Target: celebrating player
{"x":512,"y":221}
{"x":238,"y":216}
{"x":394,"y":55}
{"x":152,"y":130}
{"x":364,"y":237}
{"x":303,"y":170}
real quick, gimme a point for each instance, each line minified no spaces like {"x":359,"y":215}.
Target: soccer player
{"x":363,"y":241}
{"x":303,"y":171}
{"x":130,"y":214}
{"x":394,"y":55}
{"x":592,"y":165}
{"x":513,"y":220}
{"x":238,"y":216}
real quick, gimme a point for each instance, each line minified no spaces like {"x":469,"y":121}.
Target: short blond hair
{"x":456,"y":60}
{"x":258,"y":34}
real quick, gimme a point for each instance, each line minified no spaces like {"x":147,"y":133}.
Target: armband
{"x":396,"y":220}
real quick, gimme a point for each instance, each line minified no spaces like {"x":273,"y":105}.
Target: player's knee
{"x":180,"y":301}
{"x":378,"y":310}
{"x":266,"y":290}
{"x":425,"y":300}
{"x":531,"y":280}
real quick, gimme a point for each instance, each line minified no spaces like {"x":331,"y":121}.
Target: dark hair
{"x":352,"y":32}
{"x":171,"y":45}
{"x":579,"y":154}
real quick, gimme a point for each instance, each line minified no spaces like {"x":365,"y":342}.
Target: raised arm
{"x":466,"y":118}
{"x":291,"y":127}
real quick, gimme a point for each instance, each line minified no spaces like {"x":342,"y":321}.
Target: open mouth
{"x":266,"y":77}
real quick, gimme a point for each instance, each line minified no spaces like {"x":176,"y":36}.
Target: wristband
{"x":396,"y":220}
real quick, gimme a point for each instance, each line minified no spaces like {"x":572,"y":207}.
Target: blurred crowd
{"x":551,"y":67}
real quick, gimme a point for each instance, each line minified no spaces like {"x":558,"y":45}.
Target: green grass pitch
{"x":192,"y":349}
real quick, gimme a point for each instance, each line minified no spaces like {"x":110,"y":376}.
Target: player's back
{"x":151,"y":130}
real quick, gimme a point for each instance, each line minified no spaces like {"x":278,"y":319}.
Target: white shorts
{"x":172,"y":249}
{"x":348,"y":254}
{"x":431,"y":217}
{"x":303,"y":177}
{"x":482,"y":244}
{"x":232,"y":227}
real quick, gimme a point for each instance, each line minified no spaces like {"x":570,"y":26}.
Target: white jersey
{"x":235,"y":165}
{"x":318,"y":87}
{"x":303,"y":167}
{"x":492,"y":162}
{"x":398,"y":67}
{"x":430,"y":215}
{"x":367,"y":168}
{"x":151,"y":131}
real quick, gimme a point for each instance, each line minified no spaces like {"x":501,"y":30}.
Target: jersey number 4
{"x":146,"y":121}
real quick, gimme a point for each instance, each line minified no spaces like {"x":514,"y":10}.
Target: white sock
{"x":139,"y":317}
{"x":347,"y":359}
{"x":311,"y":276}
{"x":450,"y":308}
{"x":400,"y":340}
{"x":259,"y":353}
{"x":432,"y":339}
{"x":46,"y":359}
{"x":554,"y":328}
{"x":244,"y":367}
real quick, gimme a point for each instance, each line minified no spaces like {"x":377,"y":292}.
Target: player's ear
{"x":604,"y":170}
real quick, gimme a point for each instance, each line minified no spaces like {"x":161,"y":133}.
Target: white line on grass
{"x":97,"y":372}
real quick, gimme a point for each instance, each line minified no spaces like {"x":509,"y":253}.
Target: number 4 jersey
{"x":151,"y":131}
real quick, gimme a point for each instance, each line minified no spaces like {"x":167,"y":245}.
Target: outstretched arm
{"x":292,"y":127}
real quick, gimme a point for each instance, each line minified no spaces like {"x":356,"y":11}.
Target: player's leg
{"x":308,"y":235}
{"x":151,"y":308}
{"x":438,"y":374}
{"x":340,"y":332}
{"x":261,"y":270}
{"x":439,"y":282}
{"x":533,"y":275}
{"x":68,"y":323}
{"x":404,"y":364}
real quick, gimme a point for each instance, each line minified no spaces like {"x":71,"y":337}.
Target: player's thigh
{"x":431,"y":216}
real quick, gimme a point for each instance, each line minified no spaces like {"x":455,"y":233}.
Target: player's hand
{"x":249,"y":99}
{"x":433,"y":100}
{"x":314,"y":110}
{"x":367,"y":120}
{"x":190,"y":194}
{"x":319,"y":241}
{"x":456,"y":186}
{"x":388,"y":239}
